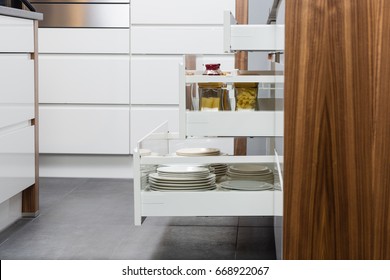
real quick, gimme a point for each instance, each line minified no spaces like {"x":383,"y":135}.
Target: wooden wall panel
{"x":337,"y":130}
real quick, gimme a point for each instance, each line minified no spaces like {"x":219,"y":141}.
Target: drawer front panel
{"x":17,"y":88}
{"x":67,"y":129}
{"x":88,"y":15}
{"x":179,"y":11}
{"x":81,"y":40}
{"x":177,"y":40}
{"x":17,"y":164}
{"x":90,"y":79}
{"x":144,"y":119}
{"x":162,"y":72}
{"x":17,"y":34}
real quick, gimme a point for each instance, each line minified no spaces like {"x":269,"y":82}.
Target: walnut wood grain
{"x":30,"y":196}
{"x":337,"y":130}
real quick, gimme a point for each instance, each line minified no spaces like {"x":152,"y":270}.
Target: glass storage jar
{"x":212,"y":69}
{"x":246,"y":96}
{"x":211,"y":96}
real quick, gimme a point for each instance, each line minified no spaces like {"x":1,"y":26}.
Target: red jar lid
{"x":212,"y":66}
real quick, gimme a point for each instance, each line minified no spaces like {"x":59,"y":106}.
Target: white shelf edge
{"x":208,"y":159}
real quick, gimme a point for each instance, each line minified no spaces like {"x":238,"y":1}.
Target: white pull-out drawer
{"x":177,"y":40}
{"x":155,"y":79}
{"x":17,"y":88}
{"x":144,"y":119}
{"x":83,"y":40}
{"x":84,"y":79}
{"x":84,"y":129}
{"x":17,"y":164}
{"x":180,"y":11}
{"x":17,"y":34}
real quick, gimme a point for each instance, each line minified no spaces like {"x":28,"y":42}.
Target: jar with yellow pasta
{"x":246,"y":96}
{"x":211,"y":96}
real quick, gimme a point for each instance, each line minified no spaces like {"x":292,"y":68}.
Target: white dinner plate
{"x":249,"y":168}
{"x":198,"y":152}
{"x":157,"y":176}
{"x":246,"y":185}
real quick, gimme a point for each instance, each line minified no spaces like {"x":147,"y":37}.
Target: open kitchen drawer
{"x":159,"y":147}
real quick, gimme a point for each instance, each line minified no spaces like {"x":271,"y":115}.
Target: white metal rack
{"x":207,"y":127}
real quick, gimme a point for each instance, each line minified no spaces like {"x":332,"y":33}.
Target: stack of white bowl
{"x":219,"y":169}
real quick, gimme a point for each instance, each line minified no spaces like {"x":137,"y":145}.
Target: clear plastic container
{"x":212,"y":69}
{"x":246,"y":96}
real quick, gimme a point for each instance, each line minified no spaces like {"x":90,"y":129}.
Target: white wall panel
{"x":17,"y":34}
{"x":17,"y":88}
{"x":180,"y":11}
{"x":155,"y":79}
{"x":17,"y":164}
{"x":82,"y":40}
{"x":84,"y":129}
{"x":84,"y":79}
{"x":146,"y":118}
{"x":177,"y":40}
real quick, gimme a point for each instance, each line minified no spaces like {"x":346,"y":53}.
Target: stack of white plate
{"x":252,"y":172}
{"x":182,"y":178}
{"x":219,"y":169}
{"x":197,"y":152}
{"x":245,"y":185}
{"x":145,"y":171}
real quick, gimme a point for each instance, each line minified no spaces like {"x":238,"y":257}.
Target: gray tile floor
{"x":93,"y":219}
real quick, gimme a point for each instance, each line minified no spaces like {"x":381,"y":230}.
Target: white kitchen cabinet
{"x":18,"y":115}
{"x":146,"y":118}
{"x":17,"y":88}
{"x":90,"y":79}
{"x":17,"y":35}
{"x":177,"y":39}
{"x":17,"y":161}
{"x":154,"y":79}
{"x":83,"y":40}
{"x":180,"y":11}
{"x":84,"y":129}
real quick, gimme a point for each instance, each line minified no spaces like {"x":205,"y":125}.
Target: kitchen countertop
{"x":6,"y":11}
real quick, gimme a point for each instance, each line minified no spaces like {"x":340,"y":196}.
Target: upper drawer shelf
{"x":17,"y":35}
{"x":256,"y":37}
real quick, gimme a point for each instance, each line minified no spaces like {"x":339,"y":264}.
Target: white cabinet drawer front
{"x":86,"y":129}
{"x":179,"y":11}
{"x":68,"y":40}
{"x":145,"y":119}
{"x":102,"y":79}
{"x":155,"y":79}
{"x":17,"y":88}
{"x":17,"y":164}
{"x":177,"y":40}
{"x":17,"y":34}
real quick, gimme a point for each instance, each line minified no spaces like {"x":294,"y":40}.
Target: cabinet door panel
{"x":85,"y":129}
{"x":177,"y":40}
{"x":155,"y":79}
{"x":17,"y":88}
{"x":82,"y":40}
{"x":144,"y":119}
{"x":84,"y":79}
{"x":179,"y":11}
{"x":17,"y":35}
{"x":17,"y":163}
